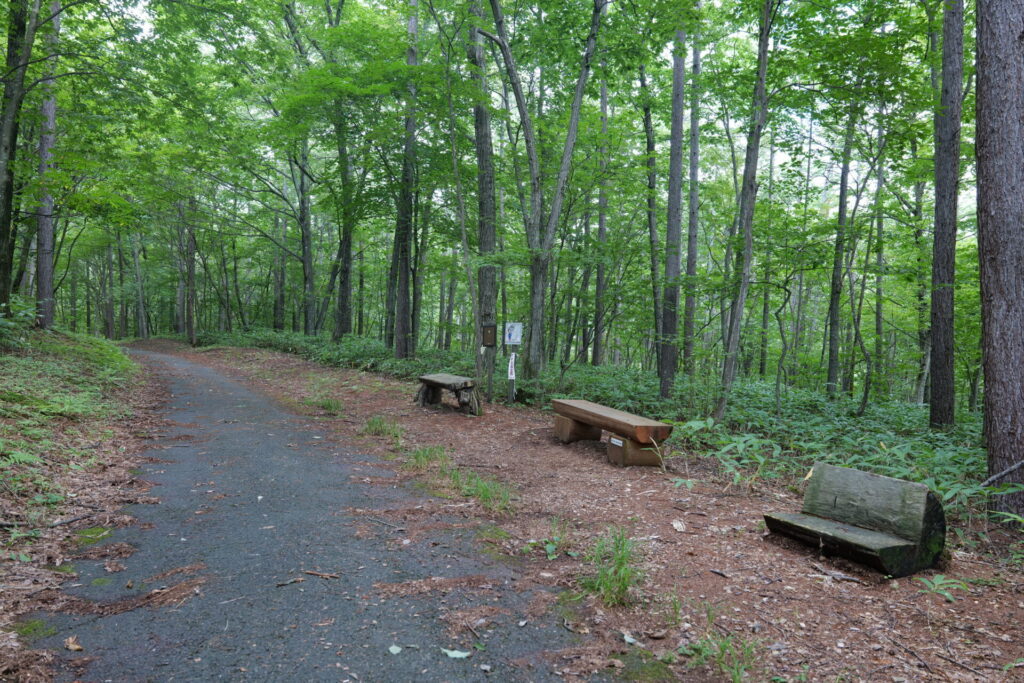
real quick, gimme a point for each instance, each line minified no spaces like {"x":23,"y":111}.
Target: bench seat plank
{"x":447,"y":381}
{"x":639,"y":429}
{"x":884,"y":552}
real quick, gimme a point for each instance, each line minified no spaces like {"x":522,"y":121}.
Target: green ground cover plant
{"x":54,"y":384}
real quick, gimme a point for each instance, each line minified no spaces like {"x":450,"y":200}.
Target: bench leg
{"x":428,"y":395}
{"x":569,"y":430}
{"x":623,"y":452}
{"x":469,"y":400}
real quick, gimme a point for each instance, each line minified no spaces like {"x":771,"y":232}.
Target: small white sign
{"x":615,"y":442}
{"x":513,"y":334}
{"x":512,"y":366}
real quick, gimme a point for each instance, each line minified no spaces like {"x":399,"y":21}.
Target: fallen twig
{"x":73,"y":520}
{"x":297,"y":579}
{"x":322,"y":575}
{"x":960,"y":664}
{"x":838,"y":576}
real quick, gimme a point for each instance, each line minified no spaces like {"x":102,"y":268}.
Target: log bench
{"x":633,"y":438}
{"x":895,"y":526}
{"x":433,"y":386}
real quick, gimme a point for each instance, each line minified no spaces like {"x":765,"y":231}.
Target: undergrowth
{"x":55,"y":386}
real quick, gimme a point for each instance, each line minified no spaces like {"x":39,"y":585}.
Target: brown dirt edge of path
{"x":94,"y":496}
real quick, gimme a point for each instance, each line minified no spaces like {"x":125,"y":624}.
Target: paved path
{"x":273,"y":499}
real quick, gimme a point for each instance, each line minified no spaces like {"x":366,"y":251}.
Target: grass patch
{"x":328,"y":404}
{"x":614,"y":556}
{"x":378,"y":425}
{"x":422,"y":458}
{"x":732,"y":655}
{"x":493,"y":495}
{"x":92,"y":535}
{"x":33,"y":630}
{"x":101,"y":581}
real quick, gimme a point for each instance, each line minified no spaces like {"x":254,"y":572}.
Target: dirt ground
{"x":704,"y":550}
{"x":713,"y":579}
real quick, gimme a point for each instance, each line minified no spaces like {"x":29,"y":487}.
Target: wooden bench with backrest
{"x":635,"y":440}
{"x":895,"y":526}
{"x":432,"y":386}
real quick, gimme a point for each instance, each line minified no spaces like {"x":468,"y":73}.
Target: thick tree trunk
{"x":1000,"y":163}
{"x":690,"y":304}
{"x":403,"y":225}
{"x":22,"y":21}
{"x":668,"y":355}
{"x":343,"y":318}
{"x":44,"y":246}
{"x":947,"y":184}
{"x":748,"y":194}
{"x":487,"y":292}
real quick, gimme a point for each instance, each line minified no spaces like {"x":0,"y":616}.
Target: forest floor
{"x":718,"y":597}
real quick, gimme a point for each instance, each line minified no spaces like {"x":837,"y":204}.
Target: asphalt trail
{"x":273,"y":500}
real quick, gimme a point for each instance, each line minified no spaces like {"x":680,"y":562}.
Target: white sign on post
{"x":513,"y":334}
{"x":512,"y":366}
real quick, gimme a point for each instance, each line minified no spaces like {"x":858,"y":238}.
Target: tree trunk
{"x":690,"y":305}
{"x":280,"y":273}
{"x":343,"y":317}
{"x":602,"y":229}
{"x":839,"y":251}
{"x":22,"y":21}
{"x":141,"y":318}
{"x":1000,"y":163}
{"x":748,"y":194}
{"x":403,"y":225}
{"x":668,"y":355}
{"x":947,"y":184}
{"x":486,"y":209}
{"x":44,"y":245}
{"x":652,"y":215}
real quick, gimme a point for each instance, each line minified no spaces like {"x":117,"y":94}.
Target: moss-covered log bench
{"x":895,"y":526}
{"x":432,"y":387}
{"x":634,"y":440}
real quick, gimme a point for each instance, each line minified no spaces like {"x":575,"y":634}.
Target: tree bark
{"x":668,"y":355}
{"x":403,"y":225}
{"x":947,"y":185}
{"x":487,"y":292}
{"x":44,"y":244}
{"x":602,"y":231}
{"x":22,"y":22}
{"x":652,"y":209}
{"x":690,"y":304}
{"x":839,"y":251}
{"x":1000,"y":163}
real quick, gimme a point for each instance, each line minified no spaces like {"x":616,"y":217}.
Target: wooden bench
{"x":633,"y":439}
{"x":895,"y":526}
{"x":432,"y":386}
